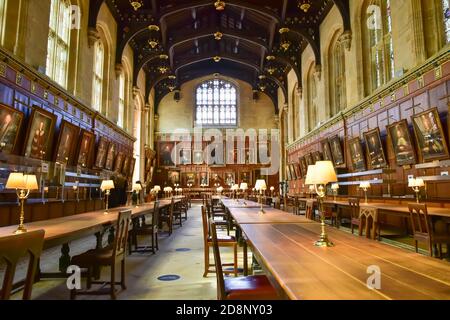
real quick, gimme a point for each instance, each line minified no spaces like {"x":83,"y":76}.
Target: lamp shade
{"x":243,"y":186}
{"x":261,"y":185}
{"x":412,"y":183}
{"x":107,"y":185}
{"x":15,"y":181}
{"x":365,"y":185}
{"x":335,"y":186}
{"x":326,"y":172}
{"x":235,"y":187}
{"x":272,"y":188}
{"x":311,"y":175}
{"x":30,"y":182}
{"x":157,"y":188}
{"x":137,"y":187}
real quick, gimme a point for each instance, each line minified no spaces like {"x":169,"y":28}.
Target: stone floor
{"x":143,"y":270}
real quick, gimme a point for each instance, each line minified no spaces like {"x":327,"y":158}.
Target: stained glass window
{"x":58,"y":41}
{"x":216,"y":104}
{"x":380,"y":42}
{"x":446,"y":10}
{"x":120,"y":118}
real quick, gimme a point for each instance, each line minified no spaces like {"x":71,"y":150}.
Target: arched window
{"x":2,"y":19}
{"x":58,"y":41}
{"x":380,"y":44}
{"x":446,"y":11}
{"x":312,"y":99}
{"x":216,"y":104}
{"x":97,"y":86}
{"x":338,"y":100}
{"x":121,"y":113}
{"x":296,"y":111}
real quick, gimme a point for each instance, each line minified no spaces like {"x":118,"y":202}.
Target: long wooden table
{"x":241,"y":203}
{"x":271,"y":216}
{"x":299,"y":270}
{"x":62,"y":231}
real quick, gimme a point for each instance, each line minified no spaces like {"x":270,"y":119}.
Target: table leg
{"x":245,"y":259}
{"x":64,"y":260}
{"x":111,"y":235}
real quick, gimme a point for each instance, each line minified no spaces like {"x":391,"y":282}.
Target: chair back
{"x":354,"y":207}
{"x":155,"y":215}
{"x":12,"y":249}
{"x":419,"y":218}
{"x":221,"y":295}
{"x":122,"y":228}
{"x":309,"y":209}
{"x":205,"y":226}
{"x":171,"y":209}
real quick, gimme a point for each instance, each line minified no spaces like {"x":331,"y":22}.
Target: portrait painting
{"x":326,"y":151}
{"x":203,"y":178}
{"x":245,"y":176}
{"x":298,"y":171}
{"x":40,"y":134}
{"x":67,"y":142}
{"x":401,"y":143}
{"x":85,"y":148}
{"x":374,"y":148}
{"x":165,"y":154}
{"x":174,"y":177}
{"x":336,"y":151}
{"x":131,"y":169}
{"x":119,"y":162}
{"x":126,"y":164}
{"x":189,"y":178}
{"x":102,"y":150}
{"x":230,"y":178}
{"x":357,"y":154}
{"x":430,"y":136}
{"x":317,"y":156}
{"x":293,"y":173}
{"x":110,"y":156}
{"x":303,"y":166}
{"x":10,"y":124}
{"x":309,"y":159}
{"x":184,"y":157}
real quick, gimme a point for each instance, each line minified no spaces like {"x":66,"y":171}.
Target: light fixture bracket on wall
{"x":304,"y":5}
{"x":136,"y":4}
{"x":217,"y":58}
{"x":220,"y":5}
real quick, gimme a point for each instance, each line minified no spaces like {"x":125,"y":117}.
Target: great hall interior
{"x":224,"y":150}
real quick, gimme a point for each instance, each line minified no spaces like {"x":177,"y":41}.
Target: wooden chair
{"x":220,"y":220}
{"x":277,"y":203}
{"x":108,"y":256}
{"x":143,"y":229}
{"x":224,"y":241}
{"x":309,"y":211}
{"x":242,"y":288}
{"x":167,"y":216}
{"x":12,"y":249}
{"x":354,"y":214}
{"x":423,"y":229}
{"x":184,"y":207}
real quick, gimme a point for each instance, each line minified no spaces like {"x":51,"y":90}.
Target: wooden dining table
{"x":350,"y":270}
{"x":241,"y":203}
{"x":61,"y":231}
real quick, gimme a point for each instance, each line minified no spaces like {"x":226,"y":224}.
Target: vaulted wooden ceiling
{"x":245,"y":38}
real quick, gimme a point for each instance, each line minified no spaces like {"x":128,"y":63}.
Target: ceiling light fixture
{"x":220,"y":5}
{"x":271,"y":70}
{"x":304,"y":5}
{"x":218,"y":35}
{"x":217,"y":59}
{"x":136,"y":4}
{"x":153,"y":43}
{"x":270,"y":58}
{"x":163,"y":69}
{"x":164,"y":57}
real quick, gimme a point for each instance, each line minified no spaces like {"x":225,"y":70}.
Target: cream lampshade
{"x":243,"y":186}
{"x":335,"y":187}
{"x":15,"y":181}
{"x":364,"y":185}
{"x":235,"y":187}
{"x":157,"y":188}
{"x":311,"y":175}
{"x":107,"y":185}
{"x":261,"y":185}
{"x":137,"y":187}
{"x":413,"y":183}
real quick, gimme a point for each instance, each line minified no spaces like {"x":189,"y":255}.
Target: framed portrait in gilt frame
{"x":126,"y":164}
{"x":317,"y":156}
{"x":102,"y":151}
{"x":119,"y":162}
{"x":288,"y":173}
{"x":401,"y":143}
{"x":85,"y":149}
{"x":357,"y":154}
{"x":293,"y":174}
{"x":110,"y":156}
{"x":10,"y":124}
{"x":430,"y":136}
{"x":303,"y":166}
{"x":166,"y":155}
{"x":336,"y":151}
{"x":326,"y":151}
{"x":375,"y":151}
{"x":39,"y":134}
{"x":309,"y":159}
{"x":298,"y":171}
{"x":67,"y":143}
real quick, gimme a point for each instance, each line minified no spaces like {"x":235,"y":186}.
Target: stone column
{"x":418,"y":40}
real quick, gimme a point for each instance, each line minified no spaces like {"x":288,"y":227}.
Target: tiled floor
{"x":143,"y":270}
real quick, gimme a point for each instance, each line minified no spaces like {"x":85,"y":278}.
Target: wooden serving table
{"x":299,"y":270}
{"x":62,"y":231}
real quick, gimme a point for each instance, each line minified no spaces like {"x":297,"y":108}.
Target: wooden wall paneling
{"x":5,"y":213}
{"x":80,"y":206}
{"x":39,"y":212}
{"x":69,"y":208}
{"x":55,"y":210}
{"x":15,"y":214}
